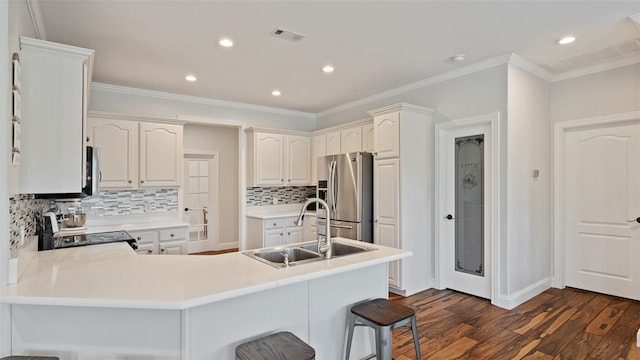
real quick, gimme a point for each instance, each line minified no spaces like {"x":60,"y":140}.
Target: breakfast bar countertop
{"x":114,"y":276}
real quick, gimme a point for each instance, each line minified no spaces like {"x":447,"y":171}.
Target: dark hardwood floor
{"x":215,"y":252}
{"x":557,"y":324}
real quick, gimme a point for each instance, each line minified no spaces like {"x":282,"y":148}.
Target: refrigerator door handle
{"x":334,"y":195}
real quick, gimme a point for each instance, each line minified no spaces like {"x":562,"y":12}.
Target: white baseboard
{"x":511,"y":301}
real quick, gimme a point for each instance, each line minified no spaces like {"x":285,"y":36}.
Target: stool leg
{"x":416,"y":343}
{"x":351,"y":323}
{"x":384,"y":338}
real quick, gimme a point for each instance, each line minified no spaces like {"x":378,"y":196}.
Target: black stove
{"x":67,"y":241}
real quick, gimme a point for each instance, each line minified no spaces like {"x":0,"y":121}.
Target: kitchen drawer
{"x":273,"y":223}
{"x":290,"y":222}
{"x":171,"y":234}
{"x":144,"y":236}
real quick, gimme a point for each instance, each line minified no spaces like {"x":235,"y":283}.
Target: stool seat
{"x":279,"y":346}
{"x":383,"y":316}
{"x":383,"y":312}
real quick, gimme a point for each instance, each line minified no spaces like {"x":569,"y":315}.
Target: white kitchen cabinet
{"x":351,"y":140}
{"x":403,"y":192}
{"x":310,"y":228}
{"x":166,"y":241}
{"x":333,"y":143}
{"x":54,"y":85}
{"x":271,"y":232}
{"x":160,"y":147}
{"x":367,"y":138}
{"x":118,"y":144}
{"x":386,"y":135}
{"x":319,"y":149}
{"x":278,"y":159}
{"x":136,"y":154}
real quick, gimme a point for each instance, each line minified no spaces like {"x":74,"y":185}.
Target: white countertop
{"x":276,"y":211}
{"x":114,"y":276}
{"x":126,"y":227}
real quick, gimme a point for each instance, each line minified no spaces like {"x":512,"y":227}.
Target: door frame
{"x":214,"y":207}
{"x":560,"y":130}
{"x":440,"y":201}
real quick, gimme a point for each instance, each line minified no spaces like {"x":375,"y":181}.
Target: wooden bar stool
{"x":279,"y":346}
{"x":383,"y":316}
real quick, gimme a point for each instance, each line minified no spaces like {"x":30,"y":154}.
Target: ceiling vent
{"x":287,"y":34}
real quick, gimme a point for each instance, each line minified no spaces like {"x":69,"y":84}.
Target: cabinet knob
{"x":140,"y":238}
{"x":281,"y":234}
{"x":282,"y":180}
{"x":274,"y":224}
{"x":289,"y":234}
{"x":149,"y":251}
{"x":88,"y":139}
{"x":130,"y":182}
{"x":172,"y":235}
{"x":289,"y":180}
{"x":162,"y":250}
{"x":141,"y":181}
{"x":375,"y":221}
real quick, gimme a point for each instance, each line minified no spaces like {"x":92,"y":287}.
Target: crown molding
{"x":528,"y":66}
{"x":617,"y":62}
{"x":197,"y":100}
{"x":254,"y":129}
{"x":134,"y":117}
{"x":420,"y":84}
{"x":36,"y":19}
{"x":343,"y":126}
{"x":399,"y":107}
{"x":635,"y":18}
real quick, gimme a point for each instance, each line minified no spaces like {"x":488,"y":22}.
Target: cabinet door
{"x":269,"y":159}
{"x":294,"y":235}
{"x":386,"y":190}
{"x":386,"y":135}
{"x":386,"y":234}
{"x":298,"y":156}
{"x":333,"y":143}
{"x":146,"y":249}
{"x":176,"y":247}
{"x":319,"y":149}
{"x":367,"y":138}
{"x":160,"y":155}
{"x":118,"y":144}
{"x":273,"y":237}
{"x":351,"y":140}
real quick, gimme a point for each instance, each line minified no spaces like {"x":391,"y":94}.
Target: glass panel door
{"x":469,"y":205}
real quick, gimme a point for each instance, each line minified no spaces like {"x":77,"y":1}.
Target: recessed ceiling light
{"x":226,"y":43}
{"x":276,"y":93}
{"x":327,"y":69}
{"x":190,"y":78}
{"x":567,"y":40}
{"x":458,"y":57}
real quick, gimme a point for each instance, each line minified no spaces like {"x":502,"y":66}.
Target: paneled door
{"x":602,"y":216}
{"x":468,"y":184}
{"x":201,"y":201}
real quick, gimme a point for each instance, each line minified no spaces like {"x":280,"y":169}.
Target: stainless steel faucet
{"x":323,"y":248}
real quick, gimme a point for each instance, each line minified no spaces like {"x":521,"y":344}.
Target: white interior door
{"x":602,"y":203}
{"x":467,"y":220}
{"x":201,"y":201}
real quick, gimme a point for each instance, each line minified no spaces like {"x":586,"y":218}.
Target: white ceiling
{"x":375,"y":46}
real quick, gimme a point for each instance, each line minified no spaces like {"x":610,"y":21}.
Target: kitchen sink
{"x":337,"y":249}
{"x":301,"y":253}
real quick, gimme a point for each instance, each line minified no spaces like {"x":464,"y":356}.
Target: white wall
{"x":225,"y":141}
{"x":608,"y":92}
{"x":528,"y":241}
{"x":142,"y":102}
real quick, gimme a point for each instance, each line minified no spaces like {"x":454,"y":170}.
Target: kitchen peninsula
{"x":105,"y":301}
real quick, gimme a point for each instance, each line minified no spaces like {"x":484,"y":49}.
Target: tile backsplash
{"x":23,"y":210}
{"x":126,"y":202}
{"x":261,"y":196}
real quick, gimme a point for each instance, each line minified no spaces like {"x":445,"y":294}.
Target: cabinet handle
{"x":141,"y":181}
{"x":149,"y":251}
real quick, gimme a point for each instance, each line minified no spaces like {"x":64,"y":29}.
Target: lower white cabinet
{"x":271,"y":232}
{"x":166,"y":241}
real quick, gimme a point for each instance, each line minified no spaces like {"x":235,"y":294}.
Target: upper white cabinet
{"x":319,"y":149}
{"x":386,"y":135}
{"x":160,"y":154}
{"x":351,"y":139}
{"x":118,"y":143}
{"x":54,"y":91}
{"x":333,"y":143}
{"x":403,"y":186}
{"x":367,"y":138}
{"x":136,"y":154}
{"x":278,"y":159}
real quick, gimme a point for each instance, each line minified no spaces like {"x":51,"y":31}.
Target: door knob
{"x":636,"y":220}
{"x":449,"y":217}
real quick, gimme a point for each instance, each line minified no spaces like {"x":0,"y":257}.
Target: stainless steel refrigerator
{"x":345,"y":182}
